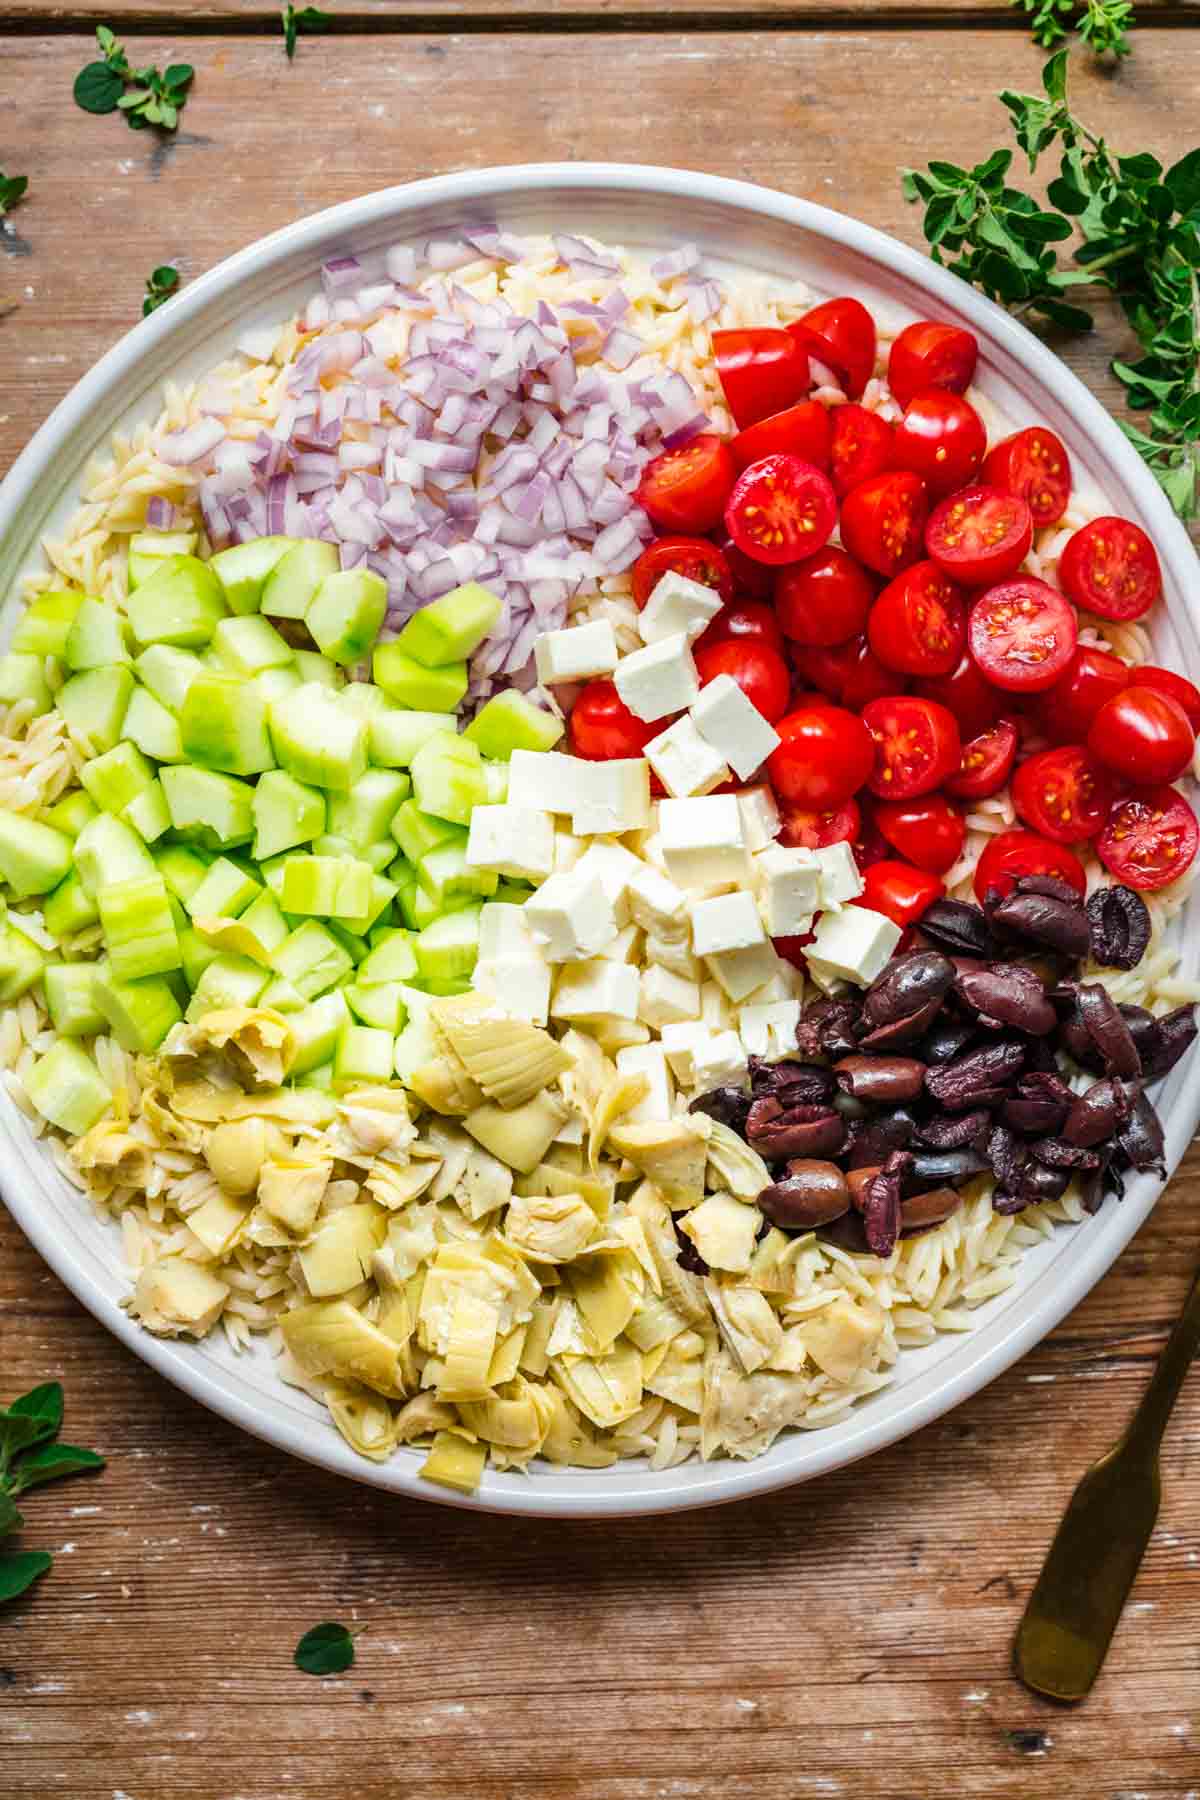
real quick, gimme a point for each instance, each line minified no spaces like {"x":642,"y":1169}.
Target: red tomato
{"x":780,"y":510}
{"x":918,"y":624}
{"x":1063,"y":793}
{"x":979,"y":535}
{"x":749,"y":577}
{"x":883,"y":518}
{"x":849,"y":673}
{"x":987,"y":761}
{"x":929,"y":355}
{"x":602,"y":726}
{"x":840,"y":334}
{"x":1176,"y":687}
{"x":1022,"y":634}
{"x":973,"y":701}
{"x":824,"y":758}
{"x":1064,"y":712}
{"x":825,"y":599}
{"x":759,"y":671}
{"x":696,"y":558}
{"x":1034,"y":464}
{"x":762,"y":368}
{"x":861,"y":445}
{"x":686,"y":489}
{"x":942,"y":439}
{"x":899,"y":891}
{"x":1150,"y":838}
{"x":801,"y":430}
{"x":928,"y":832}
{"x":1012,"y":854}
{"x":739,"y":620}
{"x":1143,"y":735}
{"x":917,"y":745}
{"x":792,"y":948}
{"x":1110,"y":567}
{"x":803,"y":829}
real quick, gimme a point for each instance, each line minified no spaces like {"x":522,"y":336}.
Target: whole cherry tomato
{"x":739,"y":620}
{"x":917,"y":746}
{"x":1150,"y":838}
{"x":1034,"y":464}
{"x":929,"y":355}
{"x":824,"y":757}
{"x":1012,"y":854}
{"x":685,"y":490}
{"x":696,"y":558}
{"x":602,"y":727}
{"x":850,"y":674}
{"x":918,"y":625}
{"x":861,"y":445}
{"x":841,"y":334}
{"x":883,"y":520}
{"x":763,"y":368}
{"x":1023,"y":634}
{"x":804,"y":829}
{"x":899,"y":891}
{"x":760,"y":672}
{"x":1176,"y":687}
{"x":801,"y":430}
{"x":979,"y":535}
{"x":781,"y":510}
{"x":1063,"y":793}
{"x":1064,"y":712}
{"x":942,"y":439}
{"x":825,"y":599}
{"x":1143,"y":735}
{"x":1110,"y":567}
{"x":928,"y":832}
{"x":973,"y":701}
{"x":987,"y":761}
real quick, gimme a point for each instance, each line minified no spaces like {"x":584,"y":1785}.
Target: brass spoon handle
{"x":1144,"y":1432}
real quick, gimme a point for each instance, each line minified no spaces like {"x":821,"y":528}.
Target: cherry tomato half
{"x":781,"y":509}
{"x":917,"y":745}
{"x":1176,"y":687}
{"x":987,"y":761}
{"x":979,"y":535}
{"x":1110,"y":567}
{"x":841,"y":334}
{"x":825,"y":599}
{"x":696,"y":558}
{"x":686,"y":489}
{"x":760,"y":672}
{"x":973,"y":701}
{"x":792,"y":948}
{"x":1034,"y":464}
{"x":602,"y":726}
{"x":804,"y":829}
{"x":928,"y":832}
{"x":763,"y":368}
{"x":918,"y":625}
{"x":929,"y":355}
{"x":861,"y":444}
{"x":1022,"y":634}
{"x":824,"y":758}
{"x":802,"y":430}
{"x":1012,"y":854}
{"x":850,"y":674}
{"x":899,"y":891}
{"x":740,"y":620}
{"x":749,"y":577}
{"x":1150,"y":838}
{"x":942,"y":439}
{"x":1143,"y":735}
{"x":883,"y":519}
{"x":1063,"y":793}
{"x":1064,"y":712}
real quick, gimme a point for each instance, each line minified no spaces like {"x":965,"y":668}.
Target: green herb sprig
{"x":145,"y":96}
{"x":29,"y":1457}
{"x":325,"y":1650}
{"x":1102,"y":24}
{"x":1139,"y":231}
{"x":12,"y":189}
{"x":161,"y":283}
{"x":308,"y":18}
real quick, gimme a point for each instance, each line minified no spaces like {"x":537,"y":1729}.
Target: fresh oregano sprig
{"x":161,"y":283}
{"x":1138,"y":228}
{"x":12,"y":189}
{"x":145,"y":96}
{"x":29,"y":1457}
{"x":1102,"y":24}
{"x":307,"y":18}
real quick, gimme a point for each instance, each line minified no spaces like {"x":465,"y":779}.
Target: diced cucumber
{"x":168,"y":673}
{"x":410,"y":683}
{"x":291,"y":585}
{"x":107,"y":851}
{"x":513,"y":893}
{"x":72,"y":812}
{"x":320,"y":1078}
{"x":420,"y":909}
{"x":67,"y":1088}
{"x":265,"y":920}
{"x":94,"y":704}
{"x":450,"y":628}
{"x":33,"y":857}
{"x":365,"y":815}
{"x":313,"y":666}
{"x":117,"y":777}
{"x":148,"y":813}
{"x":326,"y":887}
{"x":273,"y":683}
{"x":182,"y":869}
{"x":180,"y":604}
{"x":382,"y":1006}
{"x":447,"y":778}
{"x":405,"y":878}
{"x":316,"y":740}
{"x":391,"y":958}
{"x":223,"y":725}
{"x":312,"y":959}
{"x":21,"y":961}
{"x":443,"y":873}
{"x":96,"y":639}
{"x":363,"y":1055}
{"x":24,"y":678}
{"x":247,"y":646}
{"x":196,"y":954}
{"x":139,"y":930}
{"x":316,"y":1029}
{"x":213,"y":810}
{"x":417,"y":832}
{"x":148,"y":550}
{"x":224,"y":893}
{"x":44,"y":627}
{"x":286,"y":813}
{"x":139,"y":1013}
{"x":229,"y":980}
{"x":460,"y":984}
{"x":243,"y":569}
{"x":364,"y":699}
{"x":355,"y":947}
{"x":378,"y":907}
{"x":282,"y":997}
{"x":495,"y":775}
{"x":509,"y":721}
{"x":70,"y":908}
{"x":416,"y":1044}
{"x":394,"y":736}
{"x":152,"y":728}
{"x":378,"y":855}
{"x":346,"y":612}
{"x":69,"y":999}
{"x":448,"y":949}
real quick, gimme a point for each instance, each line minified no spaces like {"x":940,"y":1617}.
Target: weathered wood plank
{"x":396,"y":15}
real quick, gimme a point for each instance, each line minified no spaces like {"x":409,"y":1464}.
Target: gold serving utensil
{"x":1072,"y":1613}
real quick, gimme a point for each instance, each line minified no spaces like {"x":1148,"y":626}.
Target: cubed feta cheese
{"x":683,"y":762}
{"x":770,"y":1030}
{"x":718,"y":1061}
{"x":649,"y":1060}
{"x":614,"y":867}
{"x":840,"y":877}
{"x":703,"y":844}
{"x":726,"y":922}
{"x":787,"y":983}
{"x":790,"y":884}
{"x":667,"y":999}
{"x":715,"y":1010}
{"x":625,"y":946}
{"x":518,"y":984}
{"x":594,"y":989}
{"x":760,"y":816}
{"x":571,"y":917}
{"x":504,"y":930}
{"x":656,"y":904}
{"x":673,"y":954}
{"x":549,"y":780}
{"x":678,"y":1042}
{"x":513,"y":840}
{"x":658,"y":680}
{"x":576,"y":653}
{"x":741,"y":971}
{"x":613,"y":797}
{"x":852,"y":945}
{"x":733,"y":725}
{"x":677,"y":605}
{"x":567,"y":850}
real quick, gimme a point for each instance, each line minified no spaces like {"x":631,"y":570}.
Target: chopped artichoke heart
{"x":455,"y":1462}
{"x":606,"y":1389}
{"x":511,"y":1060}
{"x":257,"y":1044}
{"x":237,"y":1149}
{"x":571,"y":1439}
{"x":506,"y":1358}
{"x":734,"y":1165}
{"x":485,"y":1185}
{"x":219,"y":1222}
{"x":723,"y":1230}
{"x":397,"y":1188}
{"x":332,"y":1337}
{"x":678,"y":1376}
{"x":474,"y":1324}
{"x":444,"y":1084}
{"x":550,"y":1227}
{"x":606,"y":1289}
{"x":411,"y":1241}
{"x":517,"y":1420}
{"x":112,"y":1157}
{"x":339,"y":1253}
{"x":841,"y":1338}
{"x":746,"y":1321}
{"x":630,"y":1231}
{"x":683,"y":1289}
{"x":671,"y":1154}
{"x":534,"y":1355}
{"x":173,"y":1296}
{"x":744,"y":1414}
{"x":365,"y":1421}
{"x":519,"y":1137}
{"x":654,"y":1322}
{"x":422,"y":1416}
{"x":619,"y":1095}
{"x":598,"y":1190}
{"x":291,"y":1189}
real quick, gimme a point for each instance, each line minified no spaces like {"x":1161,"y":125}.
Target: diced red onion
{"x":582,"y":257}
{"x":704,"y":299}
{"x":352,"y":555}
{"x":401,"y":263}
{"x":160,"y":514}
{"x":192,"y":444}
{"x":676,"y":262}
{"x":684,"y":433}
{"x":359,"y":456}
{"x":341,"y":273}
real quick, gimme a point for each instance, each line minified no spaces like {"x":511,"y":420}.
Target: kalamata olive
{"x":958,"y":928}
{"x":1004,"y":1202}
{"x":881,"y":1205}
{"x":881,"y":1080}
{"x":929,"y":1208}
{"x":1096,"y":1113}
{"x":979,"y":1078}
{"x":1119,"y":924}
{"x":906,"y":986}
{"x":1044,"y":919}
{"x":874,"y":1140}
{"x":1005,"y":994}
{"x":827,"y":1028}
{"x":859,"y":1180}
{"x":955,"y":1131}
{"x":1057,"y":1153}
{"x":850,"y":1108}
{"x":1007,"y":1156}
{"x":776,"y":1130}
{"x":688,"y":1256}
{"x":1108,"y":1031}
{"x":1097,"y":1184}
{"x":948,"y":1039}
{"x":1140,"y":1144}
{"x":727,"y":1105}
{"x":1174,"y":1035}
{"x":1039,"y":1183}
{"x":901,"y":1032}
{"x":792,"y":1083}
{"x":1038,"y":1105}
{"x":812,"y":1193}
{"x":945,"y":1168}
{"x":1049,"y":885}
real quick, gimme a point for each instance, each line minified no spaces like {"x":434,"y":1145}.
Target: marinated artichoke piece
{"x":184,"y":1134}
{"x":734,"y":1164}
{"x":606,"y":1389}
{"x":291,"y":1189}
{"x":365,"y":1421}
{"x":606,"y":1292}
{"x":671,"y":1154}
{"x":841,"y":1337}
{"x":619,"y":1095}
{"x":521,"y":1136}
{"x":375,"y":1119}
{"x":238,"y":1148}
{"x":511,"y":1060}
{"x":485,"y":1185}
{"x":455,"y":1462}
{"x":654,"y":1323}
{"x":411,"y":1242}
{"x":340,"y":1252}
{"x":470,"y":1346}
{"x":173,"y":1297}
{"x":517,"y":1420}
{"x":395,"y":1187}
{"x":598,"y":1190}
{"x":744,"y":1414}
{"x":747,"y":1323}
{"x":423,"y":1416}
{"x":256,"y":1044}
{"x":444,"y":1084}
{"x":684,"y":1290}
{"x":571,"y":1439}
{"x":723,"y":1230}
{"x":679,"y":1375}
{"x":550,"y":1228}
{"x":219,"y":1223}
{"x":112,"y":1157}
{"x":331,"y":1337}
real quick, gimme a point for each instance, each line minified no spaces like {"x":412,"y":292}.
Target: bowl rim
{"x":625,"y":1493}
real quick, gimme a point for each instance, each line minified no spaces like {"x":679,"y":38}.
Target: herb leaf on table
{"x":12,"y":189}
{"x":1102,"y":24}
{"x":327,"y":1649}
{"x":145,"y":96}
{"x":307,"y":18}
{"x":29,"y":1457}
{"x":161,"y":283}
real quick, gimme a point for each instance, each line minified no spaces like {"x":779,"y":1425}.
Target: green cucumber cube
{"x":363,"y":1055}
{"x":456,"y":985}
{"x":213,"y":810}
{"x":224,"y":893}
{"x":147,"y":812}
{"x":247,"y":646}
{"x":291,"y":585}
{"x":312,"y":666}
{"x":405,"y":878}
{"x":417,"y":832}
{"x":21,"y":962}
{"x":378,"y":908}
{"x":513,"y":893}
{"x":180,"y":604}
{"x":286,"y":813}
{"x":282,"y":997}
{"x":182,"y":869}
{"x":139,"y":929}
{"x":394,"y":736}
{"x":447,"y":778}
{"x":443,"y":873}
{"x":495,"y":775}
{"x":195,"y":953}
{"x":70,"y":1001}
{"x":448,"y":949}
{"x":346,"y":612}
{"x":168,"y":673}
{"x":94,"y":704}
{"x":410,"y":683}
{"x":117,"y":777}
{"x":24,"y":678}
{"x":316,"y":740}
{"x":266,"y":922}
{"x":509,"y":721}
{"x":364,"y":699}
{"x":450,"y":628}
{"x":108,"y":850}
{"x":72,"y":812}
{"x":70,"y":908}
{"x":356,"y":947}
{"x":365,"y":815}
{"x":312,"y":959}
{"x":150,"y":726}
{"x":148,"y":550}
{"x":272,"y":683}
{"x":243,"y":569}
{"x":316,"y":1029}
{"x":378,"y":855}
{"x":325,"y":886}
{"x":382,"y":1006}
{"x":391,"y":958}
{"x":67,"y":1088}
{"x":139,"y":1013}
{"x":229,"y":980}
{"x":44,"y":627}
{"x":96,"y":639}
{"x":320,"y":1078}
{"x":224,"y":726}
{"x":33,"y":857}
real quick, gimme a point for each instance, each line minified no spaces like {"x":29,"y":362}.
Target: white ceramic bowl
{"x":736,"y":224}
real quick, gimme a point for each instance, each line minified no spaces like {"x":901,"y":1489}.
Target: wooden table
{"x":849,"y":1638}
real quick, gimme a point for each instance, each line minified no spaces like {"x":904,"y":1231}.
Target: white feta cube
{"x":571,"y":917}
{"x":703,"y":843}
{"x":790,"y":884}
{"x":667,"y":999}
{"x":576,"y":653}
{"x":549,"y":780}
{"x":625,"y":946}
{"x":612,"y":797}
{"x":518,"y":984}
{"x":673,"y":954}
{"x":596,"y":989}
{"x":770,"y":1030}
{"x":786,"y":983}
{"x":733,"y":725}
{"x":760,"y":816}
{"x":718,"y":1061}
{"x":679,"y":1042}
{"x":677,"y":605}
{"x":511,"y":840}
{"x":726,"y":922}
{"x":715,"y":1010}
{"x":741,"y":971}
{"x":504,"y":930}
{"x":658,"y":680}
{"x":853,"y":945}
{"x":649,"y":1060}
{"x":683,"y":762}
{"x":840,"y":877}
{"x":567,"y":849}
{"x":614,"y":867}
{"x":655,"y":903}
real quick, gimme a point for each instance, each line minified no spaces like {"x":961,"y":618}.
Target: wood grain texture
{"x":848,"y":1638}
{"x":397,"y":15}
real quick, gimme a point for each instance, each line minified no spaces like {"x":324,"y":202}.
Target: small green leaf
{"x":19,"y":1569}
{"x":10,"y":1518}
{"x":52,"y":1463}
{"x":98,"y":88}
{"x":43,"y":1404}
{"x":178,"y":76}
{"x":12,"y":189}
{"x":17,"y":1433}
{"x":325,"y":1650}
